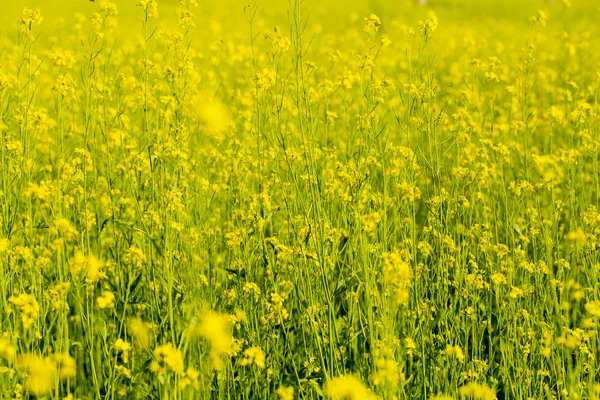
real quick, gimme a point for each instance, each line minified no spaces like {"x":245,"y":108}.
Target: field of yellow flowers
{"x":319,"y":199}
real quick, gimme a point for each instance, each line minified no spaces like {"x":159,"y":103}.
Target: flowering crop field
{"x":319,"y":199}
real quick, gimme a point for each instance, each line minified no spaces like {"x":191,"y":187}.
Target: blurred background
{"x":332,"y":14}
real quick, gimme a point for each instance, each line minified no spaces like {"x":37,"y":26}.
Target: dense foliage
{"x":399,"y":202}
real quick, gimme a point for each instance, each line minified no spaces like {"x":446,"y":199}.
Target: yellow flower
{"x":122,"y":347}
{"x":123,"y":370}
{"x":64,"y":85}
{"x":28,"y":307}
{"x":477,"y":391}
{"x":429,"y":26}
{"x":265,"y":79}
{"x":149,"y":7}
{"x":94,"y":268}
{"x":106,"y":301}
{"x":66,"y":365}
{"x":348,"y":387}
{"x":285,"y":393}
{"x":372,"y":24}
{"x":397,"y":275}
{"x":578,"y":236}
{"x":31,"y":16}
{"x":386,"y":372}
{"x":370,"y":222}
{"x":41,"y":373}
{"x":141,"y":333}
{"x":109,"y":9}
{"x":253,"y":355}
{"x":4,"y":244}
{"x":190,"y":378}
{"x":385,"y":41}
{"x":498,"y":278}
{"x":593,"y":307}
{"x":91,"y":265}
{"x":7,"y":351}
{"x":215,"y":328}
{"x":169,"y":356}
{"x":455,"y":351}
{"x":540,"y":18}
{"x":516,"y":292}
